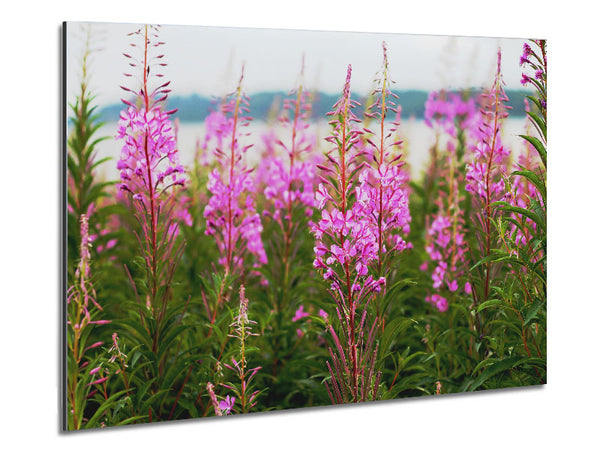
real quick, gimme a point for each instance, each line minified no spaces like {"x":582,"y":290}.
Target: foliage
{"x":356,"y":279}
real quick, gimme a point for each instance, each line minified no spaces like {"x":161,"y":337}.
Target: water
{"x":417,"y":136}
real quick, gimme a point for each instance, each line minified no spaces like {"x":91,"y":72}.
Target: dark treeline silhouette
{"x":265,"y":105}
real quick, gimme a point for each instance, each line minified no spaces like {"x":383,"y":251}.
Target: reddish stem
{"x":180,"y":391}
{"x":231,"y":173}
{"x":351,"y":306}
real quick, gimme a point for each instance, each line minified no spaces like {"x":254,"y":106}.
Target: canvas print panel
{"x":272,"y":219}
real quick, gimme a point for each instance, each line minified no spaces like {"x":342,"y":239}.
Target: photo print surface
{"x":261,"y":219}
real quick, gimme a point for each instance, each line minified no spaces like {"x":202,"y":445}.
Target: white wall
{"x":559,"y":413}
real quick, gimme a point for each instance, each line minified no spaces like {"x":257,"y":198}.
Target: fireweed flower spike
{"x":449,"y":112}
{"x":242,"y":330}
{"x":445,"y":241}
{"x":484,"y":172}
{"x":345,"y":247}
{"x":150,"y":172}
{"x":381,"y":196}
{"x":213,"y":398}
{"x":82,"y":309}
{"x":287,"y":174}
{"x":447,"y":248}
{"x":485,"y":175}
{"x":524,"y":191}
{"x":534,"y":61}
{"x":289,"y":181}
{"x":231,"y":216}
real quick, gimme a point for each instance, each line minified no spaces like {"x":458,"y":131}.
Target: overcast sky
{"x":208,"y":60}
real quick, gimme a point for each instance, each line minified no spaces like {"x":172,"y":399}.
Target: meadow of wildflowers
{"x":323,"y":272}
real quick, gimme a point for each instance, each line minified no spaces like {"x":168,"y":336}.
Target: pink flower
{"x":150,"y":168}
{"x":149,"y":159}
{"x":449,"y":112}
{"x":289,"y":177}
{"x":438,"y":301}
{"x":468,"y":288}
{"x":447,"y":248}
{"x":300,"y":314}
{"x":231,"y":215}
{"x":382,"y":204}
{"x":226,"y":405}
{"x":363,"y":208}
{"x":98,"y":381}
{"x":486,"y":170}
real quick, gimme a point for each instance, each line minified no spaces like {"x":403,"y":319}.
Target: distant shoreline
{"x":264,"y":105}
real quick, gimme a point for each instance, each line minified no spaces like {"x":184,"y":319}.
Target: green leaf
{"x":489,"y":304}
{"x":538,"y":145}
{"x":392,"y":329}
{"x":498,"y":256}
{"x":539,"y":123}
{"x":100,"y":161}
{"x":131,"y":420}
{"x":106,"y":404}
{"x":532,"y":312}
{"x":535,"y":179}
{"x":507,"y":207}
{"x":535,"y":101}
{"x":495,"y":368}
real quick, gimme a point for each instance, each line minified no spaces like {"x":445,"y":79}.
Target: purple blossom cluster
{"x":523,"y":192}
{"x":150,"y":170}
{"x":382,"y":202}
{"x":382,"y":196}
{"x":230,"y":214}
{"x":446,"y":247}
{"x":441,"y":303}
{"x":458,"y":118}
{"x":289,"y":185}
{"x":486,"y":169}
{"x":360,"y":218}
{"x":450,"y":112}
{"x":345,"y":243}
{"x":149,"y":162}
{"x":345,"y":247}
{"x":531,"y":59}
{"x":364,"y":214}
{"x":290,"y":181}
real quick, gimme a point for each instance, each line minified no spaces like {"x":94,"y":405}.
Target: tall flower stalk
{"x":345,"y":248}
{"x":524,"y":191}
{"x":446,"y":245}
{"x":150,"y":172}
{"x":524,"y":239}
{"x":231,"y":216}
{"x":242,"y":330}
{"x":289,"y":180}
{"x":287,"y":177}
{"x":485,"y":175}
{"x":536,"y":61}
{"x":381,"y":197}
{"x":82,"y":312}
